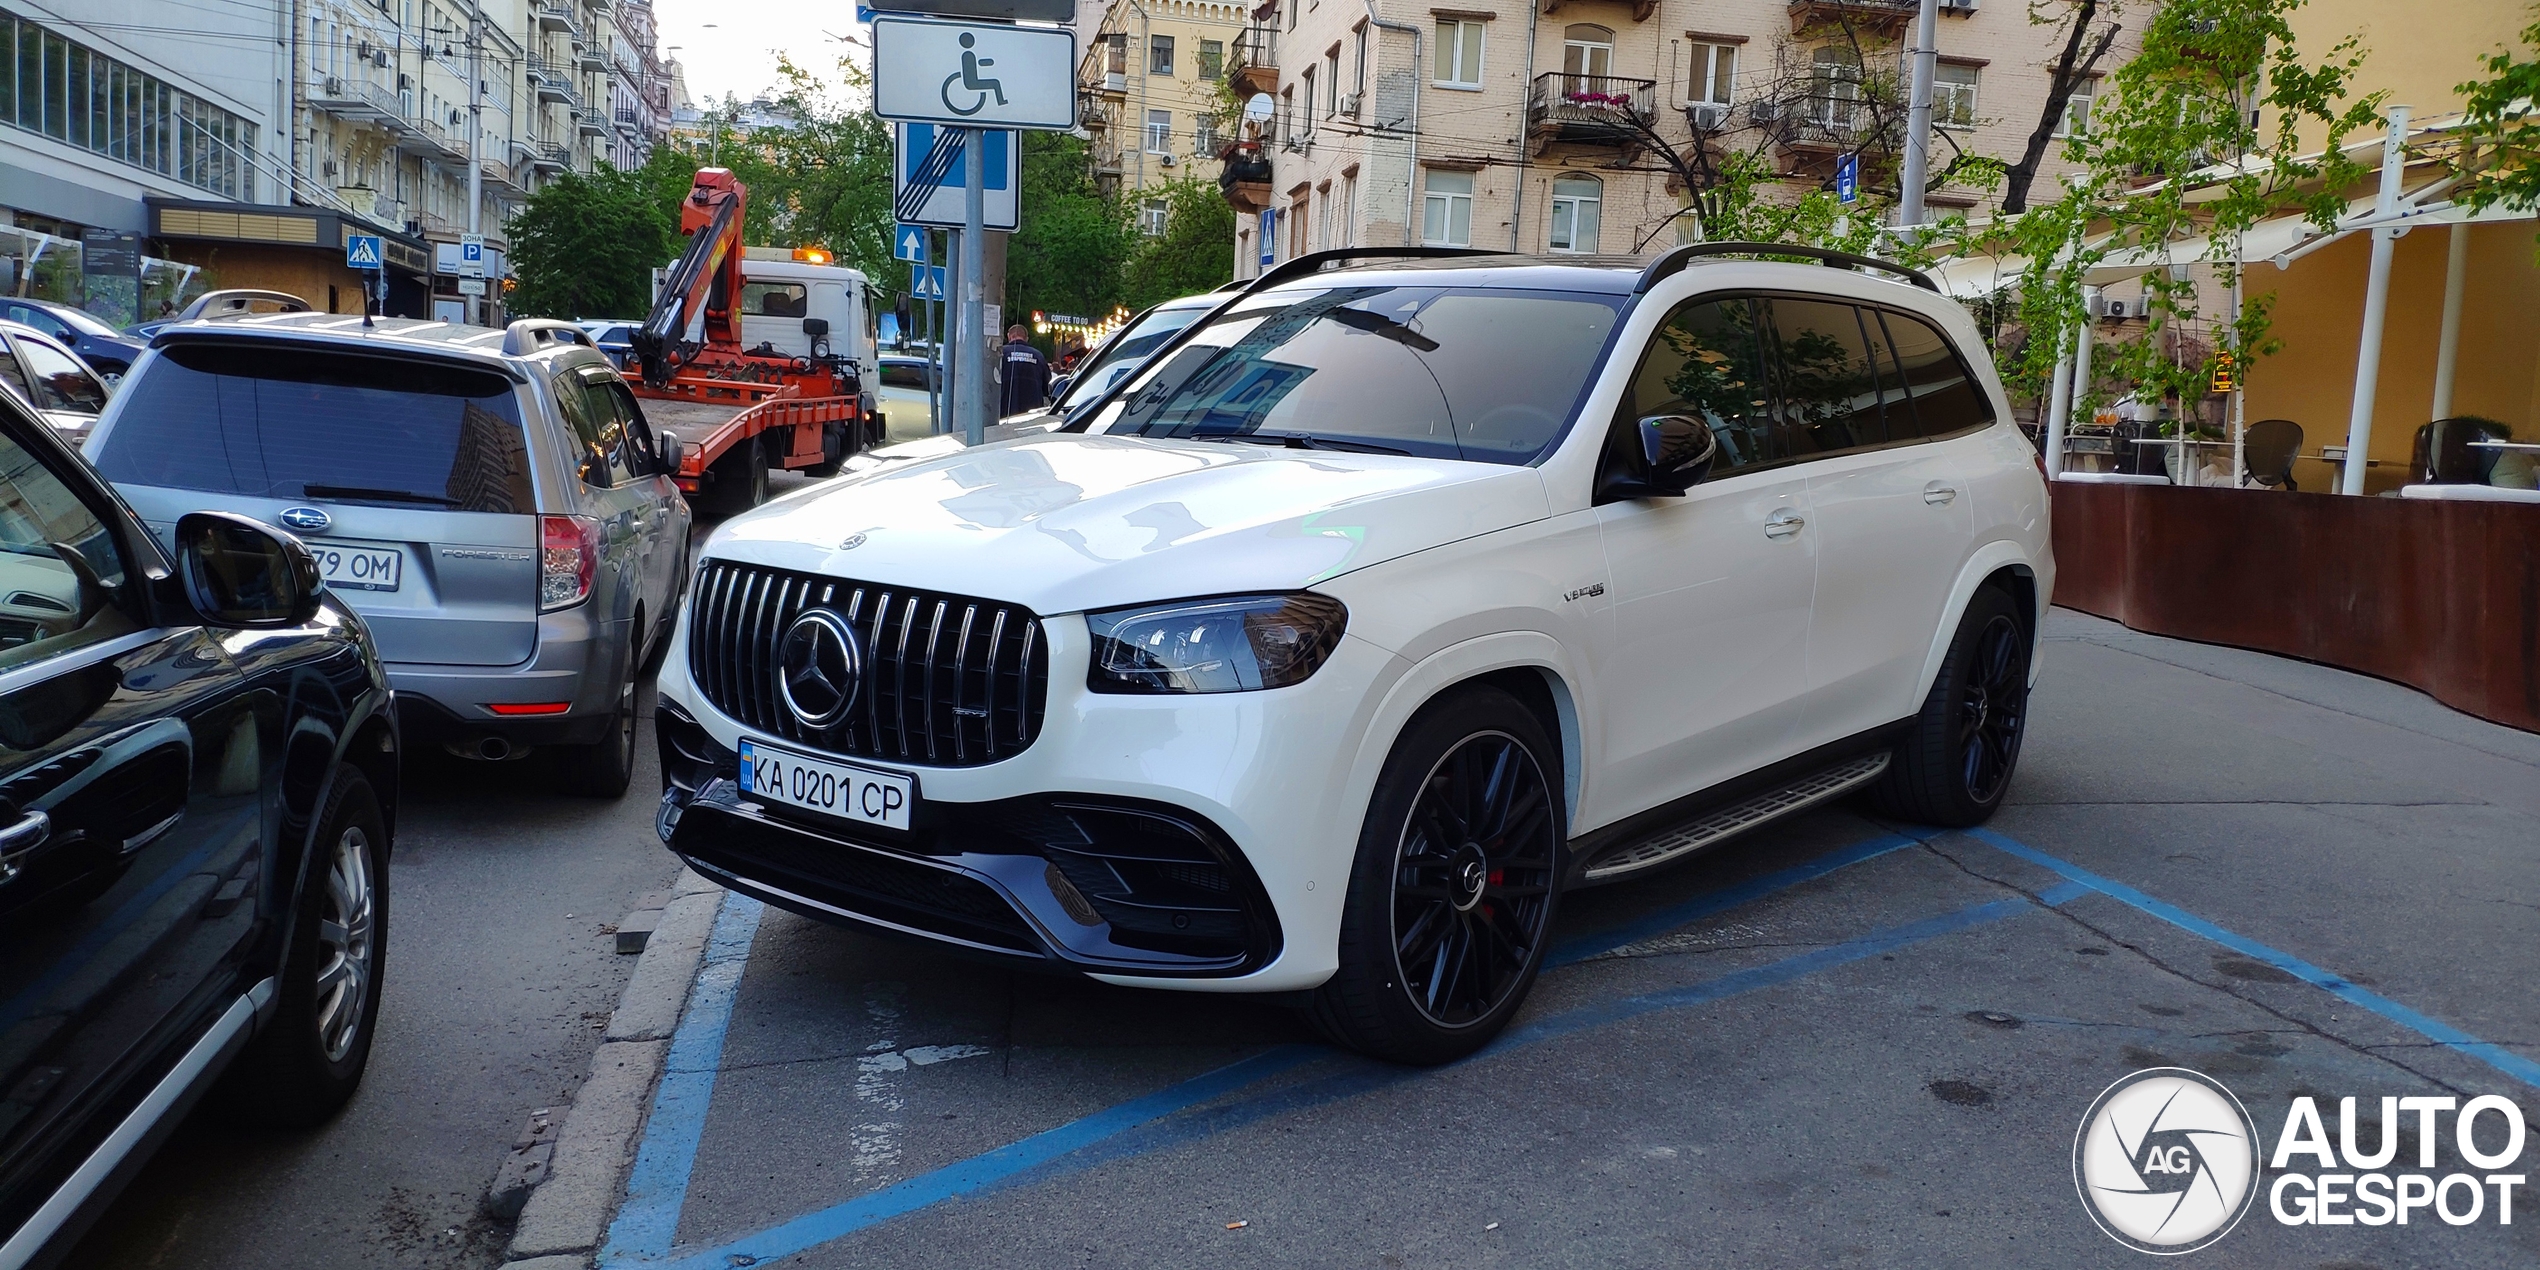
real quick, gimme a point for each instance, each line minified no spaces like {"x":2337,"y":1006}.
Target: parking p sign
{"x":471,"y":255}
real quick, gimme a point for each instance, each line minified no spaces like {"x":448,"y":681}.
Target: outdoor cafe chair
{"x":2267,"y":449}
{"x":2443,"y":454}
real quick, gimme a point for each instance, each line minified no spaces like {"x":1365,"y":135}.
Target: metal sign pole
{"x":974,"y":272}
{"x":953,"y":387}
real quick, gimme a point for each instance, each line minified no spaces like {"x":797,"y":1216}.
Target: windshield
{"x":1126,"y":353}
{"x":282,"y":422}
{"x":1489,"y":374}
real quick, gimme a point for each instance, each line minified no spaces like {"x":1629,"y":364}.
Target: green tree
{"x":1196,"y":251}
{"x":2502,"y":156}
{"x":586,"y":246}
{"x":1066,"y":253}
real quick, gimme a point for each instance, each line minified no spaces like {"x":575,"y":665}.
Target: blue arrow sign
{"x":361,"y":251}
{"x":926,"y":282}
{"x":1847,"y":179}
{"x":911,"y":244}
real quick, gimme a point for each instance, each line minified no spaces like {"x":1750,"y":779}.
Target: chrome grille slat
{"x":928,"y":658}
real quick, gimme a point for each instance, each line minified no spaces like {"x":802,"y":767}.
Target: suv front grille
{"x":948,"y":681}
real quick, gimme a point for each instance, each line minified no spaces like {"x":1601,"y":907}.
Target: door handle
{"x":21,"y":839}
{"x":1784,"y":523}
{"x":1939,"y":495}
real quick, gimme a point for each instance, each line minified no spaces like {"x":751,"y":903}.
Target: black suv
{"x":198,"y":783}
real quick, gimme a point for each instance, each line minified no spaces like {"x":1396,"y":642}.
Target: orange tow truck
{"x":754,"y":358}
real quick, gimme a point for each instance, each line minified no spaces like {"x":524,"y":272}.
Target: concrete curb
{"x":568,"y":1214}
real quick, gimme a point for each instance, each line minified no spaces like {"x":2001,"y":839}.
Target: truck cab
{"x":782,"y":286}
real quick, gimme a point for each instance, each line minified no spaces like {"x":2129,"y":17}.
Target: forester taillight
{"x":569,"y":549}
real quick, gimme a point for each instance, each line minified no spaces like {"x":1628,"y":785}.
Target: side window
{"x":775,"y":299}
{"x":640,"y":456}
{"x":609,"y":417}
{"x":59,"y":382}
{"x":12,"y":374}
{"x":60,"y":571}
{"x":582,"y":430}
{"x":1707,"y":363}
{"x":1945,"y":396}
{"x":1829,"y":395}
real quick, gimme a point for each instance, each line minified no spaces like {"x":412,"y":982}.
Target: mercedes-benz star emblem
{"x":819,"y":667}
{"x":853,"y":541}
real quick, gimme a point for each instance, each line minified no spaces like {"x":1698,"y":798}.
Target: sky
{"x":730,"y":46}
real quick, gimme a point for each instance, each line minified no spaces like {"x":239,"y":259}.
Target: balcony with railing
{"x":1589,"y":109}
{"x":432,"y":141}
{"x":556,"y":15}
{"x":1885,"y":17}
{"x":553,"y":83}
{"x":1254,"y":61}
{"x":1831,"y":122}
{"x":591,"y":55}
{"x":358,"y":99}
{"x":1244,"y":179}
{"x":549,"y":156}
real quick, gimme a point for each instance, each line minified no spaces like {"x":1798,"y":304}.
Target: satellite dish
{"x":1258,"y":108}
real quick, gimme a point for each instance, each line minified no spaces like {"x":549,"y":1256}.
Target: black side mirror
{"x":244,"y":573}
{"x":1679,"y":449}
{"x":815,"y":327}
{"x":670,"y":447}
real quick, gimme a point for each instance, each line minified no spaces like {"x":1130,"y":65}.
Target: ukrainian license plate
{"x":355,"y":567}
{"x":771,"y":775}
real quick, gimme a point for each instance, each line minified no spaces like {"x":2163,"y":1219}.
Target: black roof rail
{"x":238,"y":301}
{"x":532,"y":335}
{"x":1302,"y":266}
{"x":1673,"y":263}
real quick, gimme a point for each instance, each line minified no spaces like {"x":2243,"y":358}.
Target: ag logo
{"x":2166,"y":1160}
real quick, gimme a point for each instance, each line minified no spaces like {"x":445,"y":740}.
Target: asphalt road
{"x":1881,"y":1064}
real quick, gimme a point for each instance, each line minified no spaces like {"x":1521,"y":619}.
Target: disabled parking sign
{"x":983,"y":74}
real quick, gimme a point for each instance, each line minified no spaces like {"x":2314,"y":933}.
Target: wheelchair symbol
{"x":968,"y":75}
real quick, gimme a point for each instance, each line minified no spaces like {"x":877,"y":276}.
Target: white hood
{"x":1065,"y":522}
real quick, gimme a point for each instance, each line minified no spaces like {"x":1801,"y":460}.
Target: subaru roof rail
{"x":535,"y":335}
{"x":1669,"y":265}
{"x":1302,"y":266}
{"x":240,"y":301}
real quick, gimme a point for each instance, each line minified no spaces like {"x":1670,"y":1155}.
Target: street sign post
{"x":472,"y":256}
{"x":910,"y":244}
{"x":1847,"y":179}
{"x":943,"y":205}
{"x":362,"y":251}
{"x":926,"y":282}
{"x":973,"y":74}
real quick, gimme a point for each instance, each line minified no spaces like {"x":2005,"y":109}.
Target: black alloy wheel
{"x":1453,"y":893}
{"x":1954,"y":762}
{"x":1993,"y":709}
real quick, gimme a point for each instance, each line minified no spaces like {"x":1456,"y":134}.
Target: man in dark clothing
{"x":1027,"y":376}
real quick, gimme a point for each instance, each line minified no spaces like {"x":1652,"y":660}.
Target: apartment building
{"x":1152,"y":83}
{"x":1477,"y":123}
{"x":245,"y":140}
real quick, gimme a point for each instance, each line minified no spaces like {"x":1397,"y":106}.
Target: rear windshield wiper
{"x":1299,"y":441}
{"x":375,"y":495}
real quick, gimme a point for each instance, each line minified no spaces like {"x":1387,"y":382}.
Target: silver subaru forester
{"x":490,"y":501}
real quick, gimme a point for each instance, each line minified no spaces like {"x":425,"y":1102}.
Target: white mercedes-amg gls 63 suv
{"x":1391,"y":599}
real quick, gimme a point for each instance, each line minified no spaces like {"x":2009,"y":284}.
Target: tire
{"x":309,"y":1058}
{"x":1955,"y":762}
{"x":833,"y":451}
{"x":740,"y":481}
{"x":604,"y":768}
{"x":1473,"y":917}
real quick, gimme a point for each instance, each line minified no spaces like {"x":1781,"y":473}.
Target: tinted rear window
{"x":270,"y":422}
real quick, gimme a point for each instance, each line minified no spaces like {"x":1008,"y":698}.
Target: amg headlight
{"x":1229,"y":644}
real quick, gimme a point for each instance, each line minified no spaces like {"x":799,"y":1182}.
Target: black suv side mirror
{"x":1660,"y":456}
{"x":244,"y":573}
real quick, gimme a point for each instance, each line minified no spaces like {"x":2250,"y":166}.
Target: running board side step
{"x":1673,"y":844}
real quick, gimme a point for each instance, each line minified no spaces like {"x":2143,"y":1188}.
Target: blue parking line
{"x":658,"y":1188}
{"x":2432,"y":1029}
{"x":1063,"y":1150}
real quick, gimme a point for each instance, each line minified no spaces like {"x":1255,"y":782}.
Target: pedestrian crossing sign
{"x":361,"y":251}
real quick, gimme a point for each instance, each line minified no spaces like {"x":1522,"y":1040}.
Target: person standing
{"x":1027,"y":375}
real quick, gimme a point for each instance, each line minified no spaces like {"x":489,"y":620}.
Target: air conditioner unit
{"x":361,"y":51}
{"x":1961,"y":7}
{"x":1115,"y":83}
{"x":1764,"y":111}
{"x":1164,"y":160}
{"x":405,"y":82}
{"x":2116,"y":310}
{"x":456,"y":118}
{"x":334,"y":86}
{"x":1709,"y":116}
{"x":380,"y":59}
{"x":1349,"y":104}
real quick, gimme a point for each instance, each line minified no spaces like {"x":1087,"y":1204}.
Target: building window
{"x":1953,"y":96}
{"x":1446,"y":218}
{"x":1151,"y":216}
{"x":1204,"y":140}
{"x":1287,"y":113}
{"x":1578,"y":205}
{"x":1834,"y":86}
{"x":1309,"y":101}
{"x":1323,"y":214}
{"x":1296,"y":228}
{"x":1358,"y":37}
{"x":1459,"y":54}
{"x":1159,"y":131}
{"x":66,"y":91}
{"x":1714,"y":73}
{"x":1212,"y":59}
{"x":1587,"y":52}
{"x":1116,"y":54}
{"x":1349,"y":211}
{"x":1332,"y":77}
{"x":1159,"y":55}
{"x":2075,"y":121}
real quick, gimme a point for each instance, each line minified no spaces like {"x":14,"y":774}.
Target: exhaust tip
{"x":486,"y":749}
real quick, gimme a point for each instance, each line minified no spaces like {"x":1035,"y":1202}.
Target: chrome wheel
{"x":344,"y":946}
{"x":1473,"y":880}
{"x":1992,"y":709}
